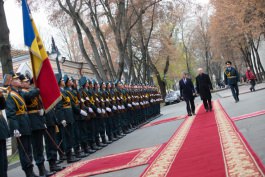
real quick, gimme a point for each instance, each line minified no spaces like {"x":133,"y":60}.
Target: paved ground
{"x":253,"y":129}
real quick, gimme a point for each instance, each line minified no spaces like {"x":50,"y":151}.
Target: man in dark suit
{"x":204,"y":85}
{"x":187,"y":92}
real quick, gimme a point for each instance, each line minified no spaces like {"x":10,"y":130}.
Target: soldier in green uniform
{"x":104,"y":101}
{"x":37,"y":124}
{"x":87,"y":98}
{"x":115,"y":121}
{"x":110,"y":111}
{"x":50,"y":143}
{"x":4,"y":134}
{"x":19,"y":123}
{"x":65,"y":118}
{"x":101,"y":113}
{"x":79,"y":115}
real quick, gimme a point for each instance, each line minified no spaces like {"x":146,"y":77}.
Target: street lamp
{"x":55,"y":51}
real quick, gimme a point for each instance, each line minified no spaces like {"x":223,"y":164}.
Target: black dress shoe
{"x":193,"y":113}
{"x":189,"y":114}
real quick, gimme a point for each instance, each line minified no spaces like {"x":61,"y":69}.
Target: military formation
{"x":89,"y":116}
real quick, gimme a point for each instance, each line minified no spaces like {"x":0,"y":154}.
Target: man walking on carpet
{"x":231,"y":78}
{"x":204,"y":87}
{"x":187,"y":92}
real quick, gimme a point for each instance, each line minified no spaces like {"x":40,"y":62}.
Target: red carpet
{"x":246,"y":116}
{"x":210,"y":146}
{"x":163,"y":121}
{"x":111,"y":163}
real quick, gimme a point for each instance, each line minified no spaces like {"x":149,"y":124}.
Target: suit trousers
{"x":190,"y":106}
{"x":207,"y":103}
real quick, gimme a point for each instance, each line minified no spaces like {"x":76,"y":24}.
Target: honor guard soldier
{"x":16,"y":112}
{"x":101,"y":113}
{"x":65,"y":118}
{"x":108,"y":113}
{"x":37,"y":124}
{"x":88,"y":101}
{"x":109,"y":106}
{"x":4,"y":134}
{"x":71,"y":91}
{"x":50,"y":144}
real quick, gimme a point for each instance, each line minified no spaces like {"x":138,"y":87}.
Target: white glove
{"x":108,"y":109}
{"x":64,"y":123}
{"x":41,"y":112}
{"x":129,"y":105}
{"x":82,"y":100}
{"x":83,"y":113}
{"x":103,"y":111}
{"x":87,"y":98}
{"x":133,"y":103}
{"x":45,"y":126}
{"x":90,"y":110}
{"x":107,"y":100}
{"x":141,"y":103}
{"x":114,"y":108}
{"x":118,"y":98}
{"x":119,"y":107}
{"x":99,"y":110}
{"x":122,"y":107}
{"x":17,"y":134}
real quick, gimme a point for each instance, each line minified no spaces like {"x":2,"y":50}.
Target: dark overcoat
{"x":204,"y":86}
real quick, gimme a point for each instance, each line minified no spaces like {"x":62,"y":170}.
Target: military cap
{"x":23,"y":78}
{"x":228,"y":62}
{"x":82,"y":81}
{"x":66,"y":79}
{"x":89,"y":81}
{"x":58,"y":77}
{"x":14,"y":75}
{"x":94,"y":82}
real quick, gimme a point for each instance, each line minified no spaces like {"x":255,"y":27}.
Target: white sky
{"x":14,"y":19}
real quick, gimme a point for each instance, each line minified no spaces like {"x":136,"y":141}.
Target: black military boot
{"x":62,"y":158}
{"x":105,"y":141}
{"x":30,"y":173}
{"x":54,"y":166}
{"x":79,"y":154}
{"x":87,"y":149}
{"x":95,"y":147}
{"x":43,"y":171}
{"x":100,"y":144}
{"x":71,"y":158}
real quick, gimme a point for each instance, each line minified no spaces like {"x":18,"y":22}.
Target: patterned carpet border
{"x":144,"y":156}
{"x":163,"y":162}
{"x":167,"y":120}
{"x":250,"y":115}
{"x":239,"y":158}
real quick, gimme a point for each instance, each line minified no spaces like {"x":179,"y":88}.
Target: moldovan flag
{"x":41,"y":67}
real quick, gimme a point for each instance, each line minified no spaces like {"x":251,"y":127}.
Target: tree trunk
{"x":5,"y":48}
{"x":83,"y":50}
